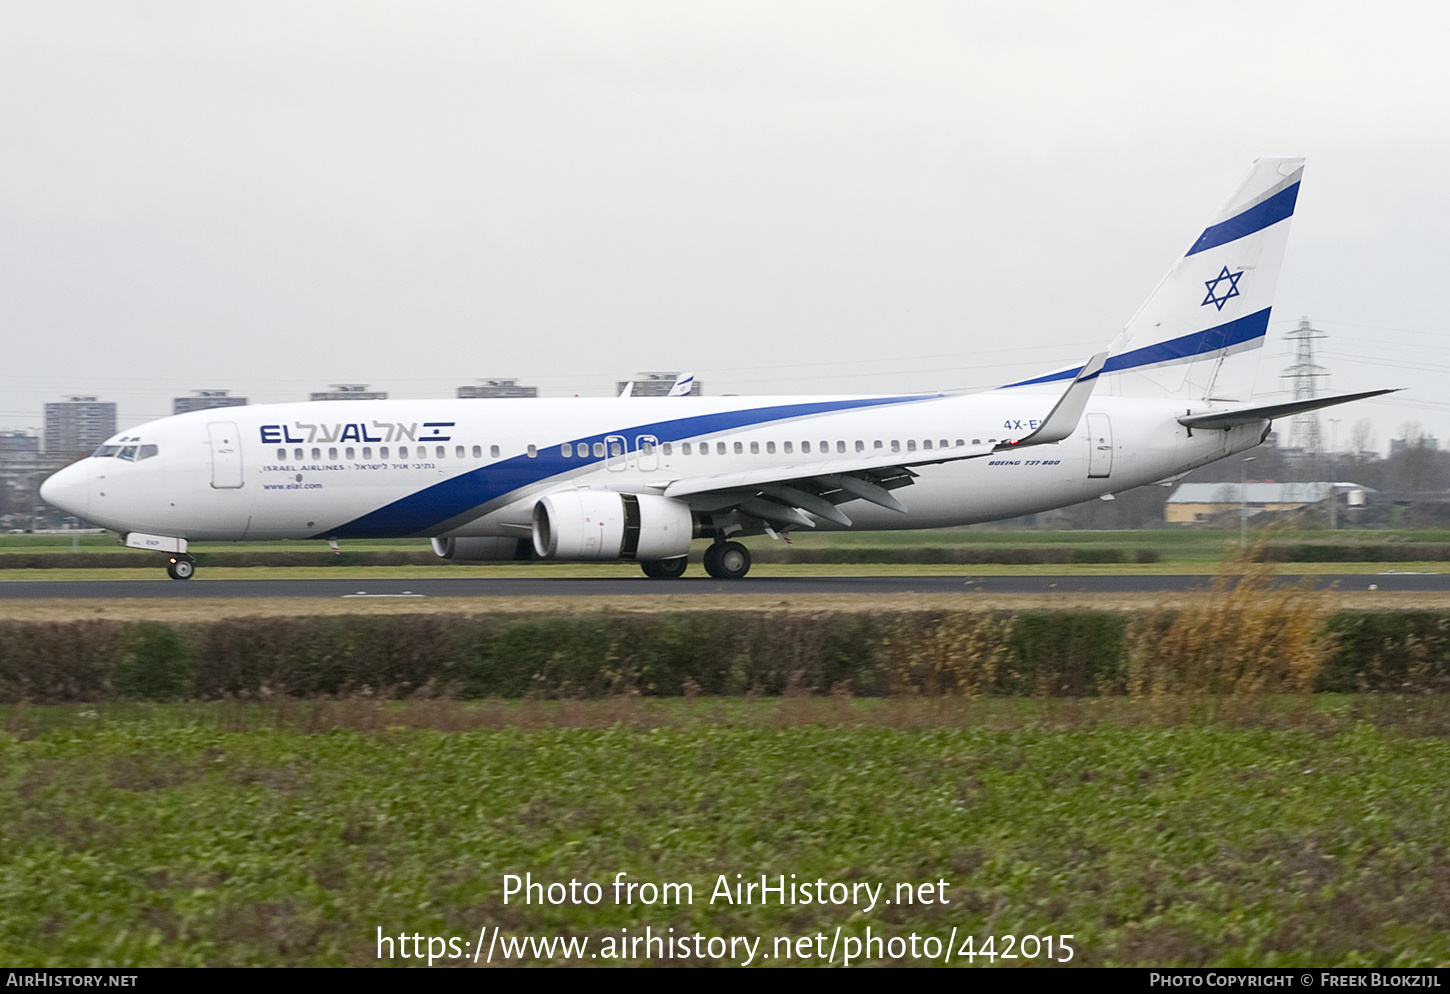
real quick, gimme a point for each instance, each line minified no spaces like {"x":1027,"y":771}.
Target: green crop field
{"x":299,"y":832}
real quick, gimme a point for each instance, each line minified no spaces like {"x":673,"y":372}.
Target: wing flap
{"x":807,"y":471}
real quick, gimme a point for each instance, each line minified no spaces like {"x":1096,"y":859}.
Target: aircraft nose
{"x":69,"y":489}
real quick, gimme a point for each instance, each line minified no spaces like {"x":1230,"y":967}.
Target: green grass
{"x":631,"y":570}
{"x":233,"y":834}
{"x":1207,"y":545}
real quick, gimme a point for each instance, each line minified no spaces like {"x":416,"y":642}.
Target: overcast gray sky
{"x":780,"y":196}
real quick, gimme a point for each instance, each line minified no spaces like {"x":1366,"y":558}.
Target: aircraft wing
{"x":1248,"y":415}
{"x":785,"y":495}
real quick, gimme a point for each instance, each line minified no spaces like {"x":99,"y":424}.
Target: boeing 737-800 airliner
{"x":639,"y":479}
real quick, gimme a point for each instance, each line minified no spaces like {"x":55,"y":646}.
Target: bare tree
{"x":1362,"y":439}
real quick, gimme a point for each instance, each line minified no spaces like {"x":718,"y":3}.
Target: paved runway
{"x":576,"y":587}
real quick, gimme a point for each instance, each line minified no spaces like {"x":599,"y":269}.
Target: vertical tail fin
{"x":1197,"y":335}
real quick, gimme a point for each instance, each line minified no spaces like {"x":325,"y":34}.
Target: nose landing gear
{"x":180,"y":567}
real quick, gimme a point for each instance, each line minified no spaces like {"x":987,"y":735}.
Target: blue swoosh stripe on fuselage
{"x":426,"y":509}
{"x":1223,"y":336}
{"x":1256,"y":218}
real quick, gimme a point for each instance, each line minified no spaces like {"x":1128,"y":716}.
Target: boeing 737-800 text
{"x":639,"y":479}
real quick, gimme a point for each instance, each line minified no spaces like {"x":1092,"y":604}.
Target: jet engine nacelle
{"x":484,"y":550}
{"x":600,"y":524}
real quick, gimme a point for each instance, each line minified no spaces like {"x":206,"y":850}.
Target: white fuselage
{"x":396,"y":468}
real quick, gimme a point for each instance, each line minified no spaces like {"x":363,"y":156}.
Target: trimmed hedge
{"x":1353,"y":552}
{"x":1389,"y":652}
{"x":1041,"y":653}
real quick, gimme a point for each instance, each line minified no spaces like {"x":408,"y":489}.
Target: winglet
{"x":1063,"y":419}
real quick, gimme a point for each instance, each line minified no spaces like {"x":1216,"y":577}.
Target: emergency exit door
{"x":1100,"y":446}
{"x":226,"y":455}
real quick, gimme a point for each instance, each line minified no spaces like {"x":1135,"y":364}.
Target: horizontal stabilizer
{"x":1244,"y":416}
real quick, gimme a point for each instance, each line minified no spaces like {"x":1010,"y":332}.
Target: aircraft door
{"x":226,"y":455}
{"x":1100,"y":446}
{"x":649,"y":452}
{"x":616,"y":457}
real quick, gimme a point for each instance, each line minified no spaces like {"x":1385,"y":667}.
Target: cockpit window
{"x":106,"y":451}
{"x":128,"y":453}
{"x":146,"y":452}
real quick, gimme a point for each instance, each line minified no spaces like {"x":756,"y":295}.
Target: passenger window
{"x":297,"y":454}
{"x":616,"y":449}
{"x":960,"y":442}
{"x":739,"y":449}
{"x":720,"y":448}
{"x":787,"y":446}
{"x":332,"y":454}
{"x":770,"y":448}
{"x":441,"y":452}
{"x":368,"y":452}
{"x":146,"y":452}
{"x":806,"y":447}
{"x":926,"y":443}
{"x":911,"y":445}
{"x":877,"y":445}
{"x":478,"y":452}
{"x":668,"y":449}
{"x":402,"y":452}
{"x":383,"y":452}
{"x":566,"y":450}
{"x":533,"y":452}
{"x":685,"y":448}
{"x":281,"y":455}
{"x":493,"y":451}
{"x":351,"y":452}
{"x":755,"y":448}
{"x":598,"y":450}
{"x":458,"y":452}
{"x":860,"y":445}
{"x":896,"y":446}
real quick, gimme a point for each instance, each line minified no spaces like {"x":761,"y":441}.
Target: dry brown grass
{"x":958,"y":657}
{"x":1250,"y":638}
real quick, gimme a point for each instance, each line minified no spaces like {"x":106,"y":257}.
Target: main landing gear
{"x":727,"y":560}
{"x":723,"y":561}
{"x":180,"y":567}
{"x":664,"y":569}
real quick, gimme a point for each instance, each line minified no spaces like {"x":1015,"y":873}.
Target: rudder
{"x":1198,"y":334}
